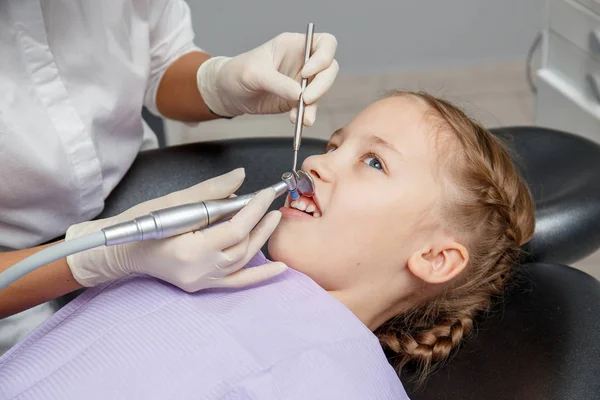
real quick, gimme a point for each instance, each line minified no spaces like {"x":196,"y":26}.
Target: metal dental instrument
{"x":306,"y":185}
{"x":300,"y":118}
{"x":156,"y":225}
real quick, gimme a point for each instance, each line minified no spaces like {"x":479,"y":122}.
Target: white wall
{"x":378,"y":35}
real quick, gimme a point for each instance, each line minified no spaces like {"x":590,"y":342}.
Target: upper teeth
{"x":299,"y":204}
{"x":304,"y":204}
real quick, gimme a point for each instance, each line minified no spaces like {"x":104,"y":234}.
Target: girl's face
{"x":376,"y":189}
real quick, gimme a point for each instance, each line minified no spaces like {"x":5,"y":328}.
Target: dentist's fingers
{"x":238,"y":228}
{"x":324,"y":47}
{"x":293,"y":114}
{"x":321,"y":84}
{"x":240,"y":254}
{"x":232,"y":255}
{"x":310,"y":114}
{"x":253,"y":275}
{"x":274,"y":82}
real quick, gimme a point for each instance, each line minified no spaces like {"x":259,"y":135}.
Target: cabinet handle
{"x":594,"y":80}
{"x":595,"y":36}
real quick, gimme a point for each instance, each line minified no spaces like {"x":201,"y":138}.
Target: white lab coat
{"x":73,"y":78}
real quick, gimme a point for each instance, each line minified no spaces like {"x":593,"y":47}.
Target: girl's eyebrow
{"x":377,"y":140}
{"x":371,"y":138}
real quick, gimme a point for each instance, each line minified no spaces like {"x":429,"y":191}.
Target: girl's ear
{"x":439,"y":264}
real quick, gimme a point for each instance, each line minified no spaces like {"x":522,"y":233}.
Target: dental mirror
{"x":306,"y":185}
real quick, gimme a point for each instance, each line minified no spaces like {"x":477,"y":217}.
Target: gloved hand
{"x":266,"y":80}
{"x":213,"y":257}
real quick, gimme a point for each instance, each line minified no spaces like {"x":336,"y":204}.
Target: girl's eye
{"x":371,"y":159}
{"x":373,"y":162}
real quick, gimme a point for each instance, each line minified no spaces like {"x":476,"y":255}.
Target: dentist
{"x":74,"y":77}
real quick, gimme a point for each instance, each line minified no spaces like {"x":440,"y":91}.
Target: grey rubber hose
{"x":50,"y":254}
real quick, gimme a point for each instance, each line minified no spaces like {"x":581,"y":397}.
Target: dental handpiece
{"x":180,"y":219}
{"x":300,"y":118}
{"x":156,"y":225}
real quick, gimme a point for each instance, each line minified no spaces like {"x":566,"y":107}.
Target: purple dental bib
{"x":140,"y":338}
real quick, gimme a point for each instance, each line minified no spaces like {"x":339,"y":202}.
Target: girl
{"x":418,"y":216}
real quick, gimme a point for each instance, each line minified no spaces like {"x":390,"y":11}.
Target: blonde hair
{"x":492,"y":210}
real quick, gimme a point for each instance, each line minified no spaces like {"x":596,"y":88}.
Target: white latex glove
{"x":210,"y":258}
{"x":266,"y":80}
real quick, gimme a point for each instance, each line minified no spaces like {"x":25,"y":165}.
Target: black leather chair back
{"x":563,"y":173}
{"x":541,"y":343}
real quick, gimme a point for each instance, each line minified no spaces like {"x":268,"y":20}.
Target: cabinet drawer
{"x":558,"y":106}
{"x":593,"y":5}
{"x":576,"y":23}
{"x":574,"y":66}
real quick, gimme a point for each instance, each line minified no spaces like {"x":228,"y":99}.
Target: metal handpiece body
{"x":180,"y":219}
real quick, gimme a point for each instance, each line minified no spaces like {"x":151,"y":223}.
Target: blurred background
{"x":471,"y":51}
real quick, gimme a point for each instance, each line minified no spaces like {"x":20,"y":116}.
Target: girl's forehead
{"x":401,"y":121}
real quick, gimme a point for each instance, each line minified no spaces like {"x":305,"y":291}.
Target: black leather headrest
{"x":563,"y":173}
{"x":562,"y":170}
{"x":542,"y":344}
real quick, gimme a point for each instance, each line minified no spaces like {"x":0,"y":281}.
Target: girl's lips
{"x":288,"y":212}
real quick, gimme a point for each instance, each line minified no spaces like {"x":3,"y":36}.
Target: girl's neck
{"x":372,"y":309}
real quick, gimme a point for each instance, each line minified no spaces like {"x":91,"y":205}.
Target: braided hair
{"x":491,"y":209}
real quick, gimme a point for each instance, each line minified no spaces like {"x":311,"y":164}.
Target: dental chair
{"x":544,"y":343}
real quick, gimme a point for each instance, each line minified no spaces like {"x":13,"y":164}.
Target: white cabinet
{"x":568,"y":96}
{"x":560,"y":106}
{"x":591,"y":4}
